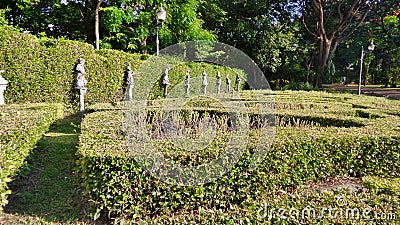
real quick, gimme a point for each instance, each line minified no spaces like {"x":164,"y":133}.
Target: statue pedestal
{"x":187,"y":90}
{"x":82,"y":92}
{"x":129,"y":95}
{"x":165,"y":90}
{"x":2,"y":89}
{"x":3,"y":86}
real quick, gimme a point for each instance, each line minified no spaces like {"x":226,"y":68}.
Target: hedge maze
{"x":319,"y":137}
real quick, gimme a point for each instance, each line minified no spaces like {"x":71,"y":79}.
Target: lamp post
{"x":161,"y":15}
{"x":371,"y":47}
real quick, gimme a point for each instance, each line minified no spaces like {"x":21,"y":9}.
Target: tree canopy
{"x":129,"y":25}
{"x":297,"y":40}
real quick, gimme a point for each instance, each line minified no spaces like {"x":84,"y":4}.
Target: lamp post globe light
{"x":161,"y":16}
{"x":371,"y":47}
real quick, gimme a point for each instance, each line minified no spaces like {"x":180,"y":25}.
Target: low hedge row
{"x":117,"y":185}
{"x":22,"y":127}
{"x":377,"y":204}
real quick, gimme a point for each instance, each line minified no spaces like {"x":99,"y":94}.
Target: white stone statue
{"x":205,"y":82}
{"x":81,"y":84}
{"x":80,"y":77}
{"x":218,"y":83}
{"x":130,"y":75}
{"x":165,"y":81}
{"x":130,"y":80}
{"x":187,"y":82}
{"x":238,"y":79}
{"x":228,"y":82}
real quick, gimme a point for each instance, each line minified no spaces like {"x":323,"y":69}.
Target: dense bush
{"x":298,"y":86}
{"x":378,"y":205}
{"x":42,"y":70}
{"x":22,"y":127}
{"x":301,"y":152}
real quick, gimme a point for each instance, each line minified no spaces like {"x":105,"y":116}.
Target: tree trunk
{"x":350,"y":17}
{"x":97,"y":24}
{"x":322,"y":61}
{"x":143,"y":45}
{"x":87,"y":21}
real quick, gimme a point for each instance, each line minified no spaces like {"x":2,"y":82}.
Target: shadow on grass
{"x":293,"y":120}
{"x":47,"y":187}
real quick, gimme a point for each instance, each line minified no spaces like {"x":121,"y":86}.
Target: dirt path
{"x":391,"y":93}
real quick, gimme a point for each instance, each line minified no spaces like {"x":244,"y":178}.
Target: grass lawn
{"x":47,"y":191}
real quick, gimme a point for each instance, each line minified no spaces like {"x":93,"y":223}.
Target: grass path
{"x":48,"y":191}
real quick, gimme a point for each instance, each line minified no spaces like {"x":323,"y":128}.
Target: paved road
{"x":391,"y":93}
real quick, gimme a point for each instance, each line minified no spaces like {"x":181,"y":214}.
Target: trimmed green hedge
{"x":301,"y":152}
{"x":42,"y":70}
{"x":377,"y":204}
{"x":22,"y":127}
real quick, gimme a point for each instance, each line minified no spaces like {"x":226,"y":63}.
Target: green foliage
{"x":302,"y":152}
{"x":3,"y":20}
{"x":51,"y":18}
{"x":263,"y":30}
{"x":313,"y":205}
{"x":277,"y":47}
{"x":268,"y":31}
{"x":387,"y":62}
{"x":381,"y":65}
{"x":298,"y":86}
{"x":22,"y":127}
{"x":334,"y":21}
{"x":42,"y":70}
{"x":292,"y":71}
{"x":131,"y":26}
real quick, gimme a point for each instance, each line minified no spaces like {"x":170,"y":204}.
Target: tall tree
{"x":131,"y":25}
{"x":330,"y":22}
{"x":125,"y":24}
{"x":97,"y":24}
{"x":384,"y":28}
{"x":72,"y":19}
{"x":263,"y":29}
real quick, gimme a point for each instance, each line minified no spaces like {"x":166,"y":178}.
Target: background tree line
{"x":316,"y":41}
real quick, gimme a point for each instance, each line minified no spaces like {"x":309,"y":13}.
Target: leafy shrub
{"x":298,"y":86}
{"x":307,"y":205}
{"x":116,"y":184}
{"x":42,"y":70}
{"x":22,"y":126}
